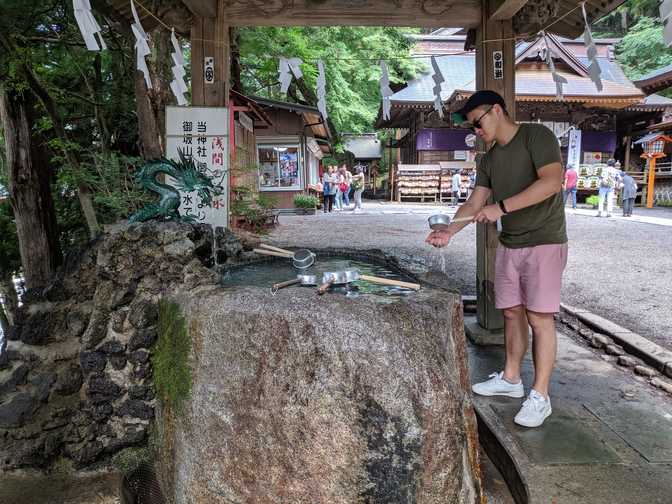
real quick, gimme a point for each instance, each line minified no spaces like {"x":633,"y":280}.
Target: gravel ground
{"x":618,"y":269}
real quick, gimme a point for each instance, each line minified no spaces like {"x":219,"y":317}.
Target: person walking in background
{"x":357,"y":184}
{"x":628,"y":195}
{"x":326,"y":190}
{"x":472,"y":182}
{"x":337,"y":179}
{"x":456,"y":182}
{"x":569,"y":185}
{"x":345,"y":185}
{"x":606,"y":191}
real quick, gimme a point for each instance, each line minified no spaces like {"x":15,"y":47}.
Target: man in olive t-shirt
{"x":522,"y":171}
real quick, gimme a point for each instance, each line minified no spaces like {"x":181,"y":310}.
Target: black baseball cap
{"x":484,"y":97}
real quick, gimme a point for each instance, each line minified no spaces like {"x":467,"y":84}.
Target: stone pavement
{"x":609,"y":439}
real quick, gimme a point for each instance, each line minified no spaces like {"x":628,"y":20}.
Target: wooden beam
{"x":506,"y":9}
{"x":429,"y":13}
{"x":500,"y":33}
{"x":202,"y":8}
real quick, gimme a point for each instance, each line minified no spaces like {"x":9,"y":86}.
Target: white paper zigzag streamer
{"x":321,"y":90}
{"x":557,"y":78}
{"x":594,"y":70}
{"x":141,"y":46}
{"x":385,"y":90}
{"x":287,"y":67}
{"x":88,"y":26}
{"x":177,"y":85}
{"x":438,"y":79}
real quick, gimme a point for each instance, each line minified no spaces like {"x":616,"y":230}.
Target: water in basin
{"x":267,"y":273}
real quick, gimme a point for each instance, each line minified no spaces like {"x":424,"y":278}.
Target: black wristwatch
{"x":502,"y":207}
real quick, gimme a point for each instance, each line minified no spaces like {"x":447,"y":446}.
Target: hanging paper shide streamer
{"x":286,"y":68}
{"x":438,"y":79}
{"x":141,"y":46}
{"x":178,"y":86}
{"x":594,"y":70}
{"x":321,"y":90}
{"x":385,"y":90}
{"x":88,"y":26}
{"x":557,"y":78}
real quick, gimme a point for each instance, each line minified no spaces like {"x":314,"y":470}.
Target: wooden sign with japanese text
{"x":202,"y":134}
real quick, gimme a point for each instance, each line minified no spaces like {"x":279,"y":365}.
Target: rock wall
{"x":303,"y":399}
{"x":75,"y":376}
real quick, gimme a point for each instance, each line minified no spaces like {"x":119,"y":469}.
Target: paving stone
{"x":645,"y":371}
{"x":667,"y":370}
{"x":627,"y":361}
{"x":662,"y":384}
{"x":599,"y":341}
{"x":614,"y":350}
{"x":586,"y":333}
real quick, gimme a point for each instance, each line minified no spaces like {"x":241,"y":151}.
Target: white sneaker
{"x":498,"y":386}
{"x":535,"y":410}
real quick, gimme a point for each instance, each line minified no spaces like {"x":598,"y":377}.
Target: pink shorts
{"x":530,"y":276}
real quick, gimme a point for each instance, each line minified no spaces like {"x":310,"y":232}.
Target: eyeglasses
{"x":477,"y":123}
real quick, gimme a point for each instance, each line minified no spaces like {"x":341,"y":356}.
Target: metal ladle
{"x":352,"y":275}
{"x":301,"y":259}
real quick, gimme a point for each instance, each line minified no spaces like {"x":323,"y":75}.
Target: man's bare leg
{"x":516,"y":336}
{"x":544,"y":349}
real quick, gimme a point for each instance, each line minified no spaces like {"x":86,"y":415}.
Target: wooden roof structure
{"x":655,"y":81}
{"x":563,"y":16}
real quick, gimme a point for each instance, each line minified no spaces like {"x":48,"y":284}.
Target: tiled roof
{"x":459,"y":73}
{"x":656,"y":73}
{"x":529,"y":82}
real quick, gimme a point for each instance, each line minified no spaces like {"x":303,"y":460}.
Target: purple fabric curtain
{"x":598,"y":141}
{"x":441,"y":139}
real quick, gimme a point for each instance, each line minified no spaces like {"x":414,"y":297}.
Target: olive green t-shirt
{"x":510,"y":169}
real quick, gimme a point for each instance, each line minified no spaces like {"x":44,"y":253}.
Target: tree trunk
{"x":151,"y":103}
{"x":4,"y":324}
{"x":10,"y":298}
{"x":148,"y":128}
{"x":29,"y":190}
{"x":234,"y":37}
{"x":83,"y":191}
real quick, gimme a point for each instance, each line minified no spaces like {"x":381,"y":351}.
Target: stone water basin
{"x":301,"y":398}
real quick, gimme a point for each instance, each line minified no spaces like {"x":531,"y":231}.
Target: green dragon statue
{"x":187,"y":178}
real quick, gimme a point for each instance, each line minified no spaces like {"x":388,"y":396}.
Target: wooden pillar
{"x":487,"y":237}
{"x":650,"y":192}
{"x":626,"y":159}
{"x":210,"y":39}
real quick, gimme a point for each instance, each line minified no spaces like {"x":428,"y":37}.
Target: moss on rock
{"x":170,"y":355}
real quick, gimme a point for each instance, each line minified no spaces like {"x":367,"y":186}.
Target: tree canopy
{"x":351,"y":57}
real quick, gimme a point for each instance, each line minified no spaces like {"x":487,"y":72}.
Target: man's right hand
{"x":439,"y":239}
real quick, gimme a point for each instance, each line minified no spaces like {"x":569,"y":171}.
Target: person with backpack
{"x":608,"y":180}
{"x":357,"y":184}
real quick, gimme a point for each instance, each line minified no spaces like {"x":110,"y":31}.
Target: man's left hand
{"x":489,"y":213}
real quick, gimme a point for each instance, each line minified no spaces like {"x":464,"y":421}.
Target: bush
{"x":592,"y":200}
{"x":305,"y":201}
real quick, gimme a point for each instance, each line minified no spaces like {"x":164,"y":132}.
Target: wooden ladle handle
{"x":389,"y":281}
{"x":271,"y":253}
{"x":282,"y":285}
{"x":325,"y":286}
{"x":275,"y":249}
